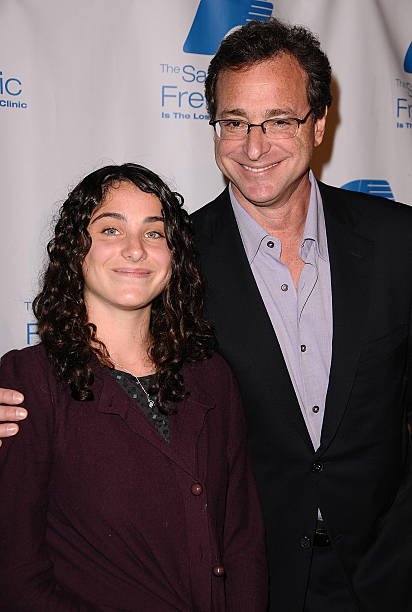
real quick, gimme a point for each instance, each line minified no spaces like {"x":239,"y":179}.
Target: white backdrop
{"x":85,"y":83}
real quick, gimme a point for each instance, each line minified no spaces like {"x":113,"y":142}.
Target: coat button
{"x":305,"y":542}
{"x":317,"y":467}
{"x":196,"y":488}
{"x":219,"y":570}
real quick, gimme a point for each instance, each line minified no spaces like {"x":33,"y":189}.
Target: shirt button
{"x":303,"y":348}
{"x":284,"y":287}
{"x":315,"y":409}
{"x":270,"y":244}
{"x":305,"y":542}
{"x":317,"y":467}
{"x":196,"y":489}
{"x":219,"y":570}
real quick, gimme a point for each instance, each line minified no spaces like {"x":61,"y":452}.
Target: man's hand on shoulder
{"x":10,"y":410}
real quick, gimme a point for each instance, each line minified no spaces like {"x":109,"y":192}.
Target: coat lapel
{"x":185,"y":425}
{"x":351,"y":256}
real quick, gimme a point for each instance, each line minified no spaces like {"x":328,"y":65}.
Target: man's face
{"x":266,"y":172}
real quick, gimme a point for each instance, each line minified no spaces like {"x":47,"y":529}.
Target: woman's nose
{"x":134,"y":249}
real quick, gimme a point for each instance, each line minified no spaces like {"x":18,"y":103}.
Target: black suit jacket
{"x":359,"y":477}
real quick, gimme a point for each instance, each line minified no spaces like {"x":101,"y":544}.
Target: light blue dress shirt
{"x":302,"y":316}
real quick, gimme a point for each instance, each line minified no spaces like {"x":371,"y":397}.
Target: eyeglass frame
{"x":299,"y":122}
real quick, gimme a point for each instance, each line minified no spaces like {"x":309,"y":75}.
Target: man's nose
{"x":256,"y":143}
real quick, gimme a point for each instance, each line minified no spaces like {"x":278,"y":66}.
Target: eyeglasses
{"x":279,"y":127}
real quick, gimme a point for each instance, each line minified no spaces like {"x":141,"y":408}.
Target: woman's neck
{"x":126,"y":337}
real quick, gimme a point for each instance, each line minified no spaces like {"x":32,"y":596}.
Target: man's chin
{"x":250,"y":198}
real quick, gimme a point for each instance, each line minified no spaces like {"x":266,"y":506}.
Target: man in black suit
{"x":310,"y":291}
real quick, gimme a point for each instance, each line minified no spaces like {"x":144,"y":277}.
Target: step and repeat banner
{"x":85,"y":83}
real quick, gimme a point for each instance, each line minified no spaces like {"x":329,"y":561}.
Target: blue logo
{"x":374,"y":187}
{"x":407,"y":64}
{"x":11,"y":88}
{"x":214,"y":19}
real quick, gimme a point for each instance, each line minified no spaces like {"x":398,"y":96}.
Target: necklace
{"x":151,"y":402}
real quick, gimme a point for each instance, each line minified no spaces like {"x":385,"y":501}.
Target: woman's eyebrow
{"x":121,"y":217}
{"x":112,"y":215}
{"x":153,"y":219}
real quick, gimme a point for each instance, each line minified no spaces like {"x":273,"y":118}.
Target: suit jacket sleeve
{"x":382,"y":581}
{"x":27,"y":581}
{"x":244,"y":559}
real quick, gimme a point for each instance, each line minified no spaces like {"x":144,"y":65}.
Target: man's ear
{"x":319,"y":129}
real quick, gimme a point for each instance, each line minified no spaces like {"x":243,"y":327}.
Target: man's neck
{"x":284,"y":219}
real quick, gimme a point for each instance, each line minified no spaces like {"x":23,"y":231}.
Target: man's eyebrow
{"x":271,"y":112}
{"x":234,"y":111}
{"x":121,"y":217}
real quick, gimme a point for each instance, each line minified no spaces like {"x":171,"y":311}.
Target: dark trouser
{"x":328,"y":590}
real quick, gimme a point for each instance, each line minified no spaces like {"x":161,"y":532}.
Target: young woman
{"x":129,"y":485}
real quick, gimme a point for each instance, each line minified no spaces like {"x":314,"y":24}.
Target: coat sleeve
{"x":27,"y":581}
{"x":244,"y":550}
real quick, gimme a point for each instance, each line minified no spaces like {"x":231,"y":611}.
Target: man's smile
{"x":257,"y":170}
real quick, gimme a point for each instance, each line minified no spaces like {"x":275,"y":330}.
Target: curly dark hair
{"x":178,"y":330}
{"x":258,"y":41}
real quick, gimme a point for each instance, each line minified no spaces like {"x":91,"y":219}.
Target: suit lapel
{"x":233,"y":283}
{"x":350,"y":257}
{"x":236,"y":298}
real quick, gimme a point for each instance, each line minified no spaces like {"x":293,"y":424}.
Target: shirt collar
{"x":315,"y":228}
{"x":253,"y":234}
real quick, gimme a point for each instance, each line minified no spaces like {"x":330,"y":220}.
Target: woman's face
{"x":128,"y":264}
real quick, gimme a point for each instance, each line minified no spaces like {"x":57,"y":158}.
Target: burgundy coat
{"x":98,"y":512}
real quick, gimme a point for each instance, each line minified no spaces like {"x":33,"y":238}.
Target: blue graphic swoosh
{"x":407,"y":64}
{"x":214,"y":19}
{"x":374,"y":187}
